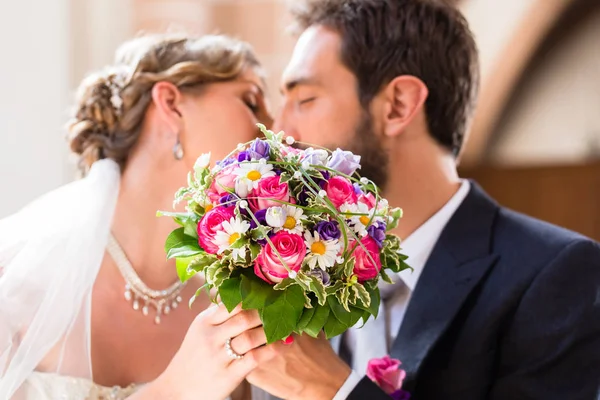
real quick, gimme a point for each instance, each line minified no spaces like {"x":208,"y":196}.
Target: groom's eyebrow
{"x":294,"y":83}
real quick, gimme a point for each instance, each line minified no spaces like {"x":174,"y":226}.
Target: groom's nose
{"x":284,"y":123}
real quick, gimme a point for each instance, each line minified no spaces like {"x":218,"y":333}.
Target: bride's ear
{"x":167,"y":98}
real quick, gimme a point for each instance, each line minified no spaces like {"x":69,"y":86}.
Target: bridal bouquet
{"x":294,"y":234}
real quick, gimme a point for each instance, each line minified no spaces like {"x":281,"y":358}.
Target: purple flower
{"x":400,"y":395}
{"x":229,"y":199}
{"x":244,"y":156}
{"x":261,"y":216}
{"x":303,"y":197}
{"x":225,"y":162}
{"x":328,"y":230}
{"x":344,"y":161}
{"x":321,"y":275}
{"x":377,"y":232}
{"x":315,"y":157}
{"x":322,"y":182}
{"x":259,"y":149}
{"x":357,"y":189}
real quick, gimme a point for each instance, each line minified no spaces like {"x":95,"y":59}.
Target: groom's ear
{"x":404,"y":99}
{"x":166,"y":98}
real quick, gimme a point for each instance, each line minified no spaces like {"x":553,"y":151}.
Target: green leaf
{"x":282,"y":312}
{"x":257,"y":234}
{"x":317,"y":321}
{"x":179,"y":244}
{"x":316,"y":286}
{"x":178,"y":217}
{"x":333,"y":289}
{"x":375,"y":299}
{"x":343,"y":296}
{"x":199,"y":262}
{"x":188,"y":221}
{"x":221,"y":275}
{"x":365,"y":317}
{"x":303,"y":281}
{"x":333,"y":327}
{"x":391,"y":256}
{"x":182,"y":268}
{"x":230,"y":293}
{"x":284,"y":284}
{"x":353,"y":296}
{"x":348,"y":266}
{"x":362,"y":294}
{"x":284,"y":178}
{"x":211,"y":272}
{"x":385,"y":276}
{"x":190,"y":228}
{"x":396,"y":214}
{"x":308,"y":303}
{"x":307,"y":315}
{"x":255,"y":292}
{"x":348,"y":318}
{"x":193,"y":299}
{"x":403,"y":265}
{"x":255,"y":250}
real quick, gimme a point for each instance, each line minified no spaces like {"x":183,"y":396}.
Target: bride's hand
{"x":202,"y":366}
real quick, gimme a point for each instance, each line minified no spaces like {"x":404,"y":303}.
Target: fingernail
{"x":288,"y":340}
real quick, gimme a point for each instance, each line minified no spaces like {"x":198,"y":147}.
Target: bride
{"x":89,"y":307}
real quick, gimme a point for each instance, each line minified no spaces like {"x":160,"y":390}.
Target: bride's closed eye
{"x":252,"y":102}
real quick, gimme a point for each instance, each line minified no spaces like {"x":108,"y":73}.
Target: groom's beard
{"x":374,"y":159}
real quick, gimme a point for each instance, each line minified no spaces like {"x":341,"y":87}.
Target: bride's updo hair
{"x":111,"y":104}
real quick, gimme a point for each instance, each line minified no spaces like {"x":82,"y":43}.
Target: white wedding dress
{"x":50,"y":255}
{"x":49,"y":386}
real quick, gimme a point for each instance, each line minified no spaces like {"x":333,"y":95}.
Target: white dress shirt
{"x":418,"y":247}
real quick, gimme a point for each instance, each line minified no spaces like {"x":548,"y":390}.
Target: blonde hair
{"x":111,"y":104}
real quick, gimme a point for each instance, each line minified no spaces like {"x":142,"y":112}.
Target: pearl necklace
{"x":135,"y":289}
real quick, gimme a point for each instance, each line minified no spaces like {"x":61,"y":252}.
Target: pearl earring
{"x":178,"y":150}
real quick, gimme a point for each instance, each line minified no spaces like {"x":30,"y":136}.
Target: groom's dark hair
{"x":428,"y":39}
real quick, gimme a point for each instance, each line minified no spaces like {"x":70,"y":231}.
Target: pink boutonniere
{"x":388,"y":375}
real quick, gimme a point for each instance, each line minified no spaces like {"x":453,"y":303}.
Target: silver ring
{"x":230,"y":352}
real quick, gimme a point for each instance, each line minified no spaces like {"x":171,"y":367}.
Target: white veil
{"x":50,"y":253}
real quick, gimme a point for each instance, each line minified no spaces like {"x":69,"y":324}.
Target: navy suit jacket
{"x":507,"y":307}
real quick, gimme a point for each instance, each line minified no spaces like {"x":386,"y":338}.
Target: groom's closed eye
{"x":306,"y":100}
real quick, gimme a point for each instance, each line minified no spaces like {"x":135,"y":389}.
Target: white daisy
{"x":359,"y":223}
{"x":293,"y":219}
{"x":321,"y":253}
{"x":232,"y":231}
{"x":248,"y":176}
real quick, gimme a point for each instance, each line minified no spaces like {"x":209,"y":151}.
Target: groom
{"x":499,"y":305}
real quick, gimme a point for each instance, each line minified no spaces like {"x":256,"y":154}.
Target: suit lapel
{"x":460,"y":259}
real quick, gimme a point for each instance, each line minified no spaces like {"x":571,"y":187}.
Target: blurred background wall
{"x":534,"y":145}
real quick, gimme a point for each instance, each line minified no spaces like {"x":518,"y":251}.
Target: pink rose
{"x":339,"y":191}
{"x":386,"y":373}
{"x":210,"y":224}
{"x":368,"y":263}
{"x":367,"y":199}
{"x":212,"y":195}
{"x":224,"y":181}
{"x":291,"y":248}
{"x":267,"y":193}
{"x":287,"y":150}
